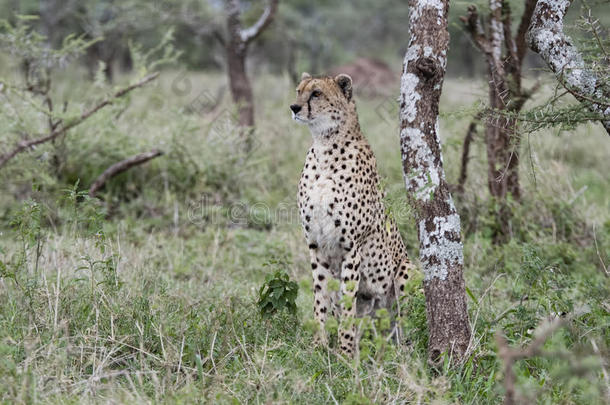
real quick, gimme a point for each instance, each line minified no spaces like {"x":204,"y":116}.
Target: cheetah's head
{"x":323,"y":102}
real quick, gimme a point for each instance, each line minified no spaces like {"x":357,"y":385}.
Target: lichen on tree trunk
{"x":546,"y":37}
{"x":438,"y":223}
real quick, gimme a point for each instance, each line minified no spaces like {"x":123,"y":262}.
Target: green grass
{"x":150,"y":295}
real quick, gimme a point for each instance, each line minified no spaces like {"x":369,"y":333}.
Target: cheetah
{"x":350,"y":237}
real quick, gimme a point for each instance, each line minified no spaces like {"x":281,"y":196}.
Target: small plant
{"x":23,"y":266}
{"x":278,"y":292}
{"x":84,"y":214}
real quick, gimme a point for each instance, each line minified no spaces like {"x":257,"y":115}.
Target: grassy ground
{"x":151,"y":295}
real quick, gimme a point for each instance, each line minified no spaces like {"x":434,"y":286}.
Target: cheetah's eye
{"x":316,"y":93}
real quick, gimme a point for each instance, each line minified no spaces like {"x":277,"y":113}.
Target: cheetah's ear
{"x":345,"y":84}
{"x":305,"y":75}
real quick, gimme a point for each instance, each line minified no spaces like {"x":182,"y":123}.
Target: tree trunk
{"x":504,"y":55}
{"x":241,"y":91}
{"x":438,"y":223}
{"x":237,"y":51}
{"x":502,"y":155}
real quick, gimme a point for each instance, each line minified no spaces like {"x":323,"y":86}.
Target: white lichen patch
{"x":409,"y":81}
{"x":424,"y":181}
{"x":442,"y":58}
{"x":547,"y":38}
{"x":564,"y":59}
{"x":412,"y":54}
{"x":440,"y":248}
{"x":437,"y":131}
{"x":408,"y":85}
{"x":409,"y":97}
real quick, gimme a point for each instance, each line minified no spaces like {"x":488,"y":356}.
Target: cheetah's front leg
{"x":350,"y":277}
{"x":322,"y":299}
{"x":401,"y":276}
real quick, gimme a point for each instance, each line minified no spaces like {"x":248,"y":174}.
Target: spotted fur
{"x":349,"y":235}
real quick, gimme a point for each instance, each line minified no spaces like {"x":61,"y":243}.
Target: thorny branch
{"x":526,"y":18}
{"x":27,"y":144}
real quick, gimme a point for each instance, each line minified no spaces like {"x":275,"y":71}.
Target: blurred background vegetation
{"x":147,"y":292}
{"x":308,"y":35}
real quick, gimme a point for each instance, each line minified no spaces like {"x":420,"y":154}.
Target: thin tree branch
{"x":513,"y":62}
{"x":510,"y":355}
{"x":592,"y":23}
{"x":581,"y":97}
{"x":217,"y":34}
{"x":26,"y":144}
{"x":265,"y":19}
{"x":120,"y":167}
{"x":472,"y":130}
{"x":526,"y":18}
{"x":523,"y":97}
{"x":546,"y":37}
{"x":473,"y":26}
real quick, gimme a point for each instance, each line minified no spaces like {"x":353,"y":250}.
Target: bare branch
{"x":523,"y":97}
{"x":26,"y":144}
{"x":265,"y":19}
{"x":526,"y":18}
{"x":472,"y":130}
{"x":546,"y":37}
{"x":217,"y":34}
{"x":581,"y":97}
{"x":120,"y":167}
{"x":510,"y":355}
{"x":473,"y":26}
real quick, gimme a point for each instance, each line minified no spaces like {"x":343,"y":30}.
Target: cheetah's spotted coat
{"x":349,"y":235}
